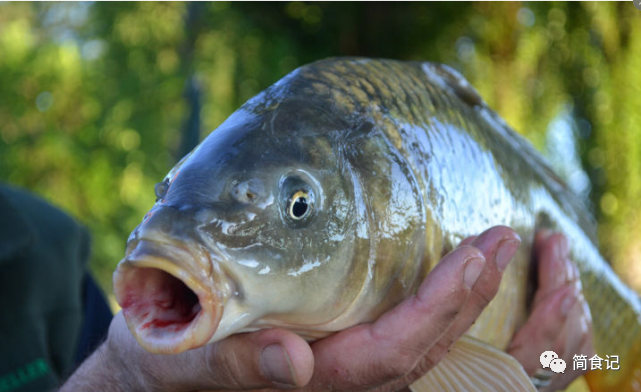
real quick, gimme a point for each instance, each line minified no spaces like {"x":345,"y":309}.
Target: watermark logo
{"x":551,"y":359}
{"x":557,"y":365}
{"x":547,"y":357}
{"x":637,"y":3}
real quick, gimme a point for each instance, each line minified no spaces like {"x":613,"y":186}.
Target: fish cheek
{"x":318,"y":285}
{"x":315,"y":278}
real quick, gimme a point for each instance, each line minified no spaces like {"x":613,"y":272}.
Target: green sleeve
{"x":43,"y":256}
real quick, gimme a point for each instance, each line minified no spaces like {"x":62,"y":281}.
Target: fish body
{"x":326,"y":199}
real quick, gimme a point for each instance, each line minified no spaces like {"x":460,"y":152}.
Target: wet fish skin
{"x":403,"y":159}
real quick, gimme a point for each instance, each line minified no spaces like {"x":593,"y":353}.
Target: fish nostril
{"x":247,"y":192}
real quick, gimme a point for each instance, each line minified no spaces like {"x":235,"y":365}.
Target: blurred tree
{"x":97,"y":100}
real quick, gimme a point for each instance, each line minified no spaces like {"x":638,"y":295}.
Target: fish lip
{"x":160,"y":257}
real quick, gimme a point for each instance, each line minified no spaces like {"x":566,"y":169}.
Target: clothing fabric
{"x":43,"y":285}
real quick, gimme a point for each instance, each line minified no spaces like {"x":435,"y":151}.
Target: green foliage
{"x":92,"y":102}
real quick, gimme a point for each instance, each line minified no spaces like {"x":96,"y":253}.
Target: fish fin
{"x":473,"y":366}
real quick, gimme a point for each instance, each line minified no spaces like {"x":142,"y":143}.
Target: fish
{"x":326,"y":199}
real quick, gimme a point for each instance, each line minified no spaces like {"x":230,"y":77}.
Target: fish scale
{"x":609,"y":300}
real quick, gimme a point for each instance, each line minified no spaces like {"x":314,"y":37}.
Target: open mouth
{"x":166,"y":309}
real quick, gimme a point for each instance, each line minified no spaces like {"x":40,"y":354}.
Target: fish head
{"x":257,"y":227}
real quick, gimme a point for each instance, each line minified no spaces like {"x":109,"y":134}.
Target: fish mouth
{"x":168,"y":309}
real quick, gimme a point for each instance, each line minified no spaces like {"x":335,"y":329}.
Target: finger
{"x":542,"y":235}
{"x":498,"y":245}
{"x":573,"y":335}
{"x":587,"y":348}
{"x":574,"y":339}
{"x":542,"y":328}
{"x":262,"y":359}
{"x":554,"y":266}
{"x":372,"y":354}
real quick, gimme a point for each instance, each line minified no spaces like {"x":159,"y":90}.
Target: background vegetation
{"x":99,"y":100}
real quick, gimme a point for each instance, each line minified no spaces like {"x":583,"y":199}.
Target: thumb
{"x":270,"y":358}
{"x":266,"y":358}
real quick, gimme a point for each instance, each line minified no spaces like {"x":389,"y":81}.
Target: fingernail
{"x":473,"y":268}
{"x":505,"y":252}
{"x":545,"y":233}
{"x":276,"y":365}
{"x":568,"y":302}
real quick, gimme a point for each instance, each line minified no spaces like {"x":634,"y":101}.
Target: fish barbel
{"x":326,"y":199}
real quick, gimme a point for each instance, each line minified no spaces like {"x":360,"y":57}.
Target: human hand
{"x":385,"y":355}
{"x":407,"y":341}
{"x":269,"y":358}
{"x":560,"y":320}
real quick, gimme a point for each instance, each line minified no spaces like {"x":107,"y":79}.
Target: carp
{"x":326,"y":199}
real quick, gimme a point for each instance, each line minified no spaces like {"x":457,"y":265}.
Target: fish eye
{"x":300,"y":205}
{"x":298,"y":199}
{"x":161,"y":189}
